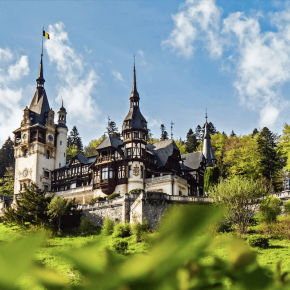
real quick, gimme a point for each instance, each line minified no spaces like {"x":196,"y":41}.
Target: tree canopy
{"x":75,"y":139}
{"x":6,"y":156}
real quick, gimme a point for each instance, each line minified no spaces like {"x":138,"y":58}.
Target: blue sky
{"x":232,"y":57}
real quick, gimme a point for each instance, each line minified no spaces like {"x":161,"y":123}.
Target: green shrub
{"x":258,"y":241}
{"x":287,"y":207}
{"x":96,"y":199}
{"x":122,"y":230}
{"x":108,"y":227}
{"x":270,"y":208}
{"x":87,"y":227}
{"x":135,"y":190}
{"x":113,"y":195}
{"x":138,"y":229}
{"x":120,"y":246}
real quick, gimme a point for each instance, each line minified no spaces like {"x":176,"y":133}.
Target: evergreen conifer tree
{"x":198,"y":133}
{"x":211,"y":177}
{"x":31,"y":208}
{"x":270,"y":159}
{"x":7,"y":183}
{"x":113,"y":129}
{"x":233,"y":134}
{"x":164,"y":134}
{"x":75,"y":139}
{"x":255,"y":131}
{"x":7,"y":156}
{"x":191,"y":142}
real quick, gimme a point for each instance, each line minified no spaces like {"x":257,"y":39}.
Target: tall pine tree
{"x":164,"y":134}
{"x":75,"y":139}
{"x":113,"y":129}
{"x":270,"y":159}
{"x":7,"y":156}
{"x":191,"y":141}
{"x":198,"y":133}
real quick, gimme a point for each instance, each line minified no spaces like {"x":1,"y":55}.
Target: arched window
{"x":25,"y":153}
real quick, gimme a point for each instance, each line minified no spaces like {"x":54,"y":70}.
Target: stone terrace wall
{"x":99,"y":211}
{"x":138,"y":206}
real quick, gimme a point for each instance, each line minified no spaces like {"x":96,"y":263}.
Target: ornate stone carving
{"x":136,"y":170}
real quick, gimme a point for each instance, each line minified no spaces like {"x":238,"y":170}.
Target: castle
{"x":147,"y":177}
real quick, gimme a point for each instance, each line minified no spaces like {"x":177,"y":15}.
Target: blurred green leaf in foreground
{"x":175,"y":260}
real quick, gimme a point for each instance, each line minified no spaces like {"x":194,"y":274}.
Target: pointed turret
{"x":40,"y":80}
{"x":134,"y":94}
{"x":134,"y":119}
{"x":61,"y":116}
{"x":207,"y":149}
{"x":39,"y":104}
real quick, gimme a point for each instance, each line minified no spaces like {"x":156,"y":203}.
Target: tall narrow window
{"x":104,"y":173}
{"x":58,"y":164}
{"x":141,"y":171}
{"x":60,"y":142}
{"x":129,"y":152}
{"x":129,"y":171}
{"x":47,"y":154}
{"x":111,"y":173}
{"x":26,"y":153}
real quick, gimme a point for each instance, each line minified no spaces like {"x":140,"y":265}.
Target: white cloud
{"x":77,"y":81}
{"x":141,"y":52}
{"x":14,"y":71}
{"x":117,"y":76}
{"x":142,"y":57}
{"x":259,"y":60}
{"x":197,"y":20}
{"x":10,"y":98}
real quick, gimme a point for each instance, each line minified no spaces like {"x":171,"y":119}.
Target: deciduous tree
{"x":237,"y":195}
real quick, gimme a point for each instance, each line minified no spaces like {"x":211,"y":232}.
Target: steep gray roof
{"x":110,"y":142}
{"x":162,"y":150}
{"x":136,"y":118}
{"x":39,"y":106}
{"x":191,"y":161}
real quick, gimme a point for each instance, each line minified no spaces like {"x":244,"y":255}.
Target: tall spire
{"x":40,"y":80}
{"x":207,"y":149}
{"x":134,"y":93}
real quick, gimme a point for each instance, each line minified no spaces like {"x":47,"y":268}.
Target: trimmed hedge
{"x":113,"y":195}
{"x":258,"y":241}
{"x":96,"y":199}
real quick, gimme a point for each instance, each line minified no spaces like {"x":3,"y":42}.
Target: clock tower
{"x":35,"y":142}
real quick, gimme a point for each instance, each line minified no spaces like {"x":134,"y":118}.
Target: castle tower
{"x":207,"y":149}
{"x":61,"y":138}
{"x":134,"y":132}
{"x":35,"y":147}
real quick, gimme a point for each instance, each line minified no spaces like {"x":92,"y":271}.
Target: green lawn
{"x":49,"y":254}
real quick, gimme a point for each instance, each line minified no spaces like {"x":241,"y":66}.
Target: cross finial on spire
{"x":206,"y":114}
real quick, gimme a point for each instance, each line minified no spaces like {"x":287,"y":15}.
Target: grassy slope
{"x":279,"y":250}
{"x":50,"y":253}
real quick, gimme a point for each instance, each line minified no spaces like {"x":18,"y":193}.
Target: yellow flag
{"x":45,"y":34}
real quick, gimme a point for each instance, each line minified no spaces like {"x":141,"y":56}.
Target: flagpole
{"x":42,"y":42}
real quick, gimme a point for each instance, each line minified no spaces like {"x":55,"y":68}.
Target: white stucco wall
{"x":61,"y":144}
